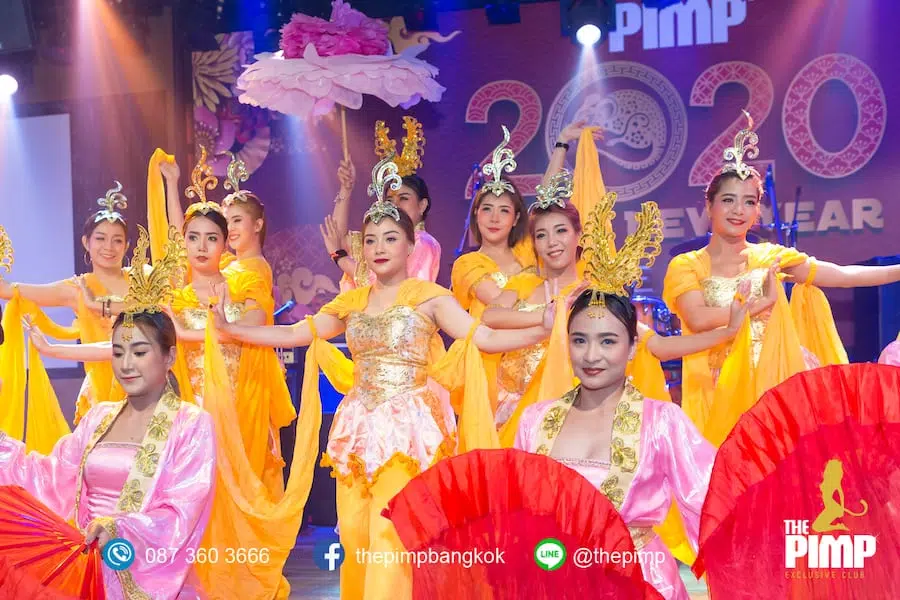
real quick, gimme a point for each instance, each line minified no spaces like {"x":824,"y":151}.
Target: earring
{"x":87,"y":259}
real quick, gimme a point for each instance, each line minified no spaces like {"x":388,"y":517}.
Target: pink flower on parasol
{"x":342,"y":59}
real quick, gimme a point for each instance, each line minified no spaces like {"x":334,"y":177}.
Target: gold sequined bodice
{"x":517,"y":367}
{"x":195,"y":319}
{"x":390,"y":352}
{"x":720,"y":291}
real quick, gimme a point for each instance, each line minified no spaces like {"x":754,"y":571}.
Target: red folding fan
{"x":42,"y":556}
{"x":802,"y":503}
{"x":509,"y":501}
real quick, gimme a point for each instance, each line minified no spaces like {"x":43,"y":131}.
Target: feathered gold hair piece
{"x":611,"y":271}
{"x":383,"y":174}
{"x":202,"y":179}
{"x":410,"y":159}
{"x":503,"y":160}
{"x":6,"y":251}
{"x":744,"y":149}
{"x":110,"y":203}
{"x":151,"y":289}
{"x":558,"y":191}
{"x":235,"y":175}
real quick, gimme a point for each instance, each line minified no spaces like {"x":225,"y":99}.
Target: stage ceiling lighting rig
{"x":587,"y":21}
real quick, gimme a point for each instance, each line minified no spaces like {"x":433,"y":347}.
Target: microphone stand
{"x":794,"y":226}
{"x":477,"y":181}
{"x":776,"y":213}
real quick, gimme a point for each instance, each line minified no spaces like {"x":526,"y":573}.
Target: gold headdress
{"x":503,"y":160}
{"x":150,"y":290}
{"x":113,"y":200}
{"x":410,"y":159}
{"x":384,"y":174}
{"x":612,"y":272}
{"x":202,"y":179}
{"x":557,"y":191}
{"x":744,"y":149}
{"x":236,"y":173}
{"x":6,"y":252}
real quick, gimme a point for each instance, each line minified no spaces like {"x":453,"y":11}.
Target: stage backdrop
{"x":667,"y":87}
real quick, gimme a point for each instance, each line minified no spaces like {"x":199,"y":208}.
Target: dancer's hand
{"x":36,"y":336}
{"x":170,"y":170}
{"x":220,"y":321}
{"x":98,"y":533}
{"x":347,"y":178}
{"x":572,"y":132}
{"x":330,"y":235}
{"x":551,"y":291}
{"x":739,"y":307}
{"x":761,"y":308}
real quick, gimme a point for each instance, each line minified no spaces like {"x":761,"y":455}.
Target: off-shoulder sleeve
{"x":50,"y":478}
{"x":177,"y":513}
{"x":683,"y":275}
{"x":525,"y":433}
{"x":762,"y":256}
{"x":245,"y":285}
{"x":687,"y":459}
{"x":414,"y":292}
{"x":425,"y":260}
{"x":350,"y":301}
{"x":468,"y":271}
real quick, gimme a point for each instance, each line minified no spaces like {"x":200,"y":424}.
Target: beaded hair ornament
{"x":6,"y":252}
{"x":558,"y":191}
{"x":110,"y":203}
{"x":151,"y":289}
{"x":384,"y":174}
{"x":502,"y":161}
{"x":410,"y":159}
{"x":234,"y":176}
{"x":744,"y":148}
{"x":202,"y":179}
{"x":611,"y":271}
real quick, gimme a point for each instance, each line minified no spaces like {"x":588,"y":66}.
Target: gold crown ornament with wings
{"x":151,"y":289}
{"x":611,"y":271}
{"x":6,"y":252}
{"x":383,"y":174}
{"x":202,"y":179}
{"x":410,"y":159}
{"x":503,"y":160}
{"x":744,"y":149}
{"x":110,"y":203}
{"x":558,"y":191}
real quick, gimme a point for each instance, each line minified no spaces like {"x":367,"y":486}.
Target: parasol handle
{"x":344,"y":133}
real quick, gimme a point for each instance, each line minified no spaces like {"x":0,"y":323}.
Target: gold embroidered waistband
{"x":381,"y":380}
{"x":641,"y":536}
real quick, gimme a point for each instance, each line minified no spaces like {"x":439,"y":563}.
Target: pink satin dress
{"x":891,"y":354}
{"x":674,"y":460}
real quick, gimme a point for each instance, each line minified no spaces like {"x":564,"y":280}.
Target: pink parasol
{"x":323,"y":63}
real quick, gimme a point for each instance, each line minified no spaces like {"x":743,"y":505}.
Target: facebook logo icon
{"x":328,"y":555}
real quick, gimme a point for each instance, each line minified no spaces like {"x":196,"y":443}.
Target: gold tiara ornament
{"x":611,"y":271}
{"x":237,"y":173}
{"x":110,"y":203}
{"x":6,"y":252}
{"x":502,"y":161}
{"x":558,"y":191}
{"x":151,"y":289}
{"x":202,"y":179}
{"x":410,"y":159}
{"x":744,"y":149}
{"x":384,"y":174}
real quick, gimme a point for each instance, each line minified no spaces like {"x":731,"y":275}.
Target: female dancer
{"x":412,"y":198}
{"x":121,"y":473}
{"x":389,"y":425}
{"x":639,"y":452}
{"x":721,"y":384}
{"x":95,"y":297}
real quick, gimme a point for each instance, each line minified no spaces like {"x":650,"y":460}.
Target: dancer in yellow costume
{"x":390,"y":426}
{"x":246,"y":218}
{"x":96,"y":298}
{"x":413,"y":198}
{"x":777,"y":339}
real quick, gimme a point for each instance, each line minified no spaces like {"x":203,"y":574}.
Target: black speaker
{"x":16,"y":33}
{"x":876,"y":315}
